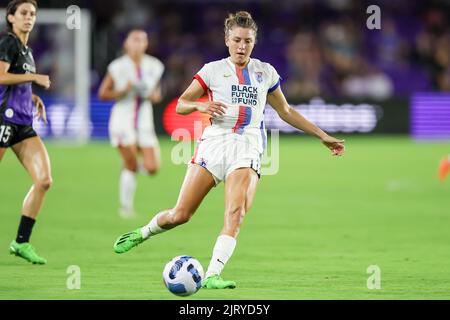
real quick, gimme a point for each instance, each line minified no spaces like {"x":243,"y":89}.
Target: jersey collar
{"x":233,"y":66}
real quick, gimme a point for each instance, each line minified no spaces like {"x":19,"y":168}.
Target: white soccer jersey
{"x":131,"y":120}
{"x":145,"y":77}
{"x":244,"y":91}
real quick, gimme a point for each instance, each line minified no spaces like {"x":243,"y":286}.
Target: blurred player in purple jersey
{"x":17,"y":74}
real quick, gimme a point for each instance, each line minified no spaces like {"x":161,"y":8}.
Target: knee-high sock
{"x":127,"y":188}
{"x":152,"y":228}
{"x":222,"y":251}
{"x":25,"y":228}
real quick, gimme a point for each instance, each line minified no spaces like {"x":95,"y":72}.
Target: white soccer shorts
{"x":223,"y":154}
{"x":128,"y":128}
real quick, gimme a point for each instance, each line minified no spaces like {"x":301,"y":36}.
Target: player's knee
{"x":44,"y":183}
{"x":151,"y":169}
{"x":180,"y":216}
{"x":131,"y":166}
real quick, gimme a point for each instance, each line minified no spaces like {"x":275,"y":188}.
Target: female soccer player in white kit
{"x":133,"y":82}
{"x":232,"y":147}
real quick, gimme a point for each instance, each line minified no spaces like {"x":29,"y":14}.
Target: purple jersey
{"x":16,"y":100}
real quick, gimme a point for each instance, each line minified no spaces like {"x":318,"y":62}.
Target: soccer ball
{"x":183,"y":275}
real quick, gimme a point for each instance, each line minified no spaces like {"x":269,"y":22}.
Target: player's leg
{"x":34,"y":157}
{"x":240,"y":188}
{"x":127,"y":181}
{"x":2,"y":152}
{"x":197,"y":183}
{"x":148,"y":144}
{"x":151,"y":159}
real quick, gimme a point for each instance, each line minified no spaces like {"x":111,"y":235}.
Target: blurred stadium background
{"x":386,"y":91}
{"x":323,"y":50}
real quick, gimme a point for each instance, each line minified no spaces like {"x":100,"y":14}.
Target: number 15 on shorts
{"x":5,"y":133}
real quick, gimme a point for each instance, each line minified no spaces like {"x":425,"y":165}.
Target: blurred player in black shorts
{"x":17,"y":74}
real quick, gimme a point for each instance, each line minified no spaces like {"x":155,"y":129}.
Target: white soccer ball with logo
{"x":183,"y":275}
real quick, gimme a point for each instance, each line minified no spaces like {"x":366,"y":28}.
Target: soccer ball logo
{"x":183,"y":275}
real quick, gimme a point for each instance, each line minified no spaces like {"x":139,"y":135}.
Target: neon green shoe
{"x":216,"y":282}
{"x":128,"y":240}
{"x":26,"y":251}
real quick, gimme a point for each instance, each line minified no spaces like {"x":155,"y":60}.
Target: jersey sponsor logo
{"x":29,"y":68}
{"x":9,"y":113}
{"x":227,"y":75}
{"x":244,"y":95}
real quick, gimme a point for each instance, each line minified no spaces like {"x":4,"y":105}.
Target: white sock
{"x":127,"y":188}
{"x":152,"y":228}
{"x":222,"y":251}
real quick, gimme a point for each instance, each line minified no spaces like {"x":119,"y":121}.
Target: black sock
{"x":25,"y":228}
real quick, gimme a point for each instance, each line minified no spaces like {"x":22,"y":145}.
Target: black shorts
{"x":11,"y":133}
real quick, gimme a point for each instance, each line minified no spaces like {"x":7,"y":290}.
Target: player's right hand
{"x":212,"y":108}
{"x":129,"y":87}
{"x":42,"y":80}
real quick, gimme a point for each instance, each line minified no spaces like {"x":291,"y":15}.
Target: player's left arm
{"x":278,"y":101}
{"x":40,"y":108}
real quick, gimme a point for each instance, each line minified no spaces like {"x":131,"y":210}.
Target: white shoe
{"x":127,"y":213}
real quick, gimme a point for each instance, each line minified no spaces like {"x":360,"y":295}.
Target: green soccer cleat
{"x":26,"y":251}
{"x":216,"y":282}
{"x":128,"y":240}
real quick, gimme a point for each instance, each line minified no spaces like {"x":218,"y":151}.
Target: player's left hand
{"x":40,"y":107}
{"x":335,"y":145}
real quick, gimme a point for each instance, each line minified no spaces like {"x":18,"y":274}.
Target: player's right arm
{"x":107,"y":91}
{"x":188,"y":103}
{"x":8,"y":79}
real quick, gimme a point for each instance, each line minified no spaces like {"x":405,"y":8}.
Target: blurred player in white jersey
{"x":133,"y":81}
{"x":230,"y":150}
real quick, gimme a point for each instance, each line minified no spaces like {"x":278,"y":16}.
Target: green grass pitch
{"x":314,"y":229}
